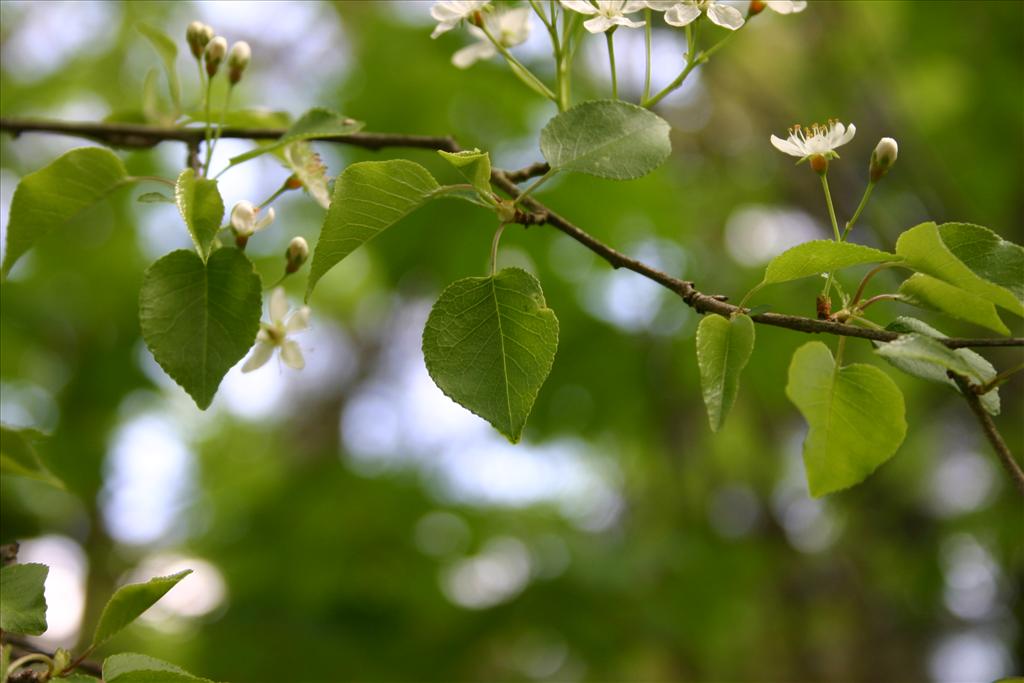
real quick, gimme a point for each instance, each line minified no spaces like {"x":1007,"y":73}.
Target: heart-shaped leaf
{"x":821,"y":256}
{"x":489,"y":344}
{"x":369,"y":197}
{"x":53,"y":195}
{"x":130,"y":601}
{"x":855,"y":417}
{"x":202,"y":208}
{"x":724,"y":346}
{"x":606,"y":138}
{"x":199,"y":319}
{"x":22,"y":603}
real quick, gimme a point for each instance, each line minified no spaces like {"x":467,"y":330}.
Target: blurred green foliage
{"x":712,"y":564}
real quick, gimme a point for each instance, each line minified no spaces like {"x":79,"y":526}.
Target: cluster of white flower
{"x":274,"y":335}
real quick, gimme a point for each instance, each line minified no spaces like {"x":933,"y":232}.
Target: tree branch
{"x":142,"y":136}
{"x":989,"y":427}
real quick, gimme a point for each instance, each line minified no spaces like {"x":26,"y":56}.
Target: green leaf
{"x":77,"y":678}
{"x":855,"y":416}
{"x":919,"y":354}
{"x":489,"y":344}
{"x":925,"y":291}
{"x":129,"y":602}
{"x":202,"y":208}
{"x":821,"y":256}
{"x":606,"y":138}
{"x":168,"y":51}
{"x":22,"y":603}
{"x":475,"y":167}
{"x":369,"y":197}
{"x":315,"y":123}
{"x":925,"y":250}
{"x":309,"y":169}
{"x":987,"y":254}
{"x":154,"y":198}
{"x":129,"y":667}
{"x":723,"y":348}
{"x":53,"y":195}
{"x":200,"y":319}
{"x":18,"y":455}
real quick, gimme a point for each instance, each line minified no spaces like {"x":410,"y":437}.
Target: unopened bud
{"x":214,"y":55}
{"x":198,"y":36}
{"x":296,"y":255}
{"x":238,"y":59}
{"x":819,"y":164}
{"x":823,"y":304}
{"x":756,"y":7}
{"x":882,"y":158}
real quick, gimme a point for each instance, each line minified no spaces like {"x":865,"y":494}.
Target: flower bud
{"x":819,"y":164}
{"x":296,"y":255}
{"x":882,"y":158}
{"x":238,"y":59}
{"x":214,"y":55}
{"x":198,"y":35}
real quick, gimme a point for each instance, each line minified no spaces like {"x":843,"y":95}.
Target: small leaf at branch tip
{"x":724,"y":346}
{"x":129,"y":602}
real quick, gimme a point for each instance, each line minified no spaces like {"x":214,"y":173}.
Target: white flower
{"x":682,"y":13}
{"x":805,"y":142}
{"x":509,"y":28}
{"x":786,"y":6}
{"x":448,"y":13}
{"x":274,"y":335}
{"x":607,"y":13}
{"x":243,"y":218}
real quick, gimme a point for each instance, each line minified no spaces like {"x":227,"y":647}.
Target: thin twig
{"x":991,"y":432}
{"x":134,"y":135}
{"x":24,"y":647}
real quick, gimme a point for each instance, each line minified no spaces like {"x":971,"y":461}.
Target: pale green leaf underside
{"x":18,"y":455}
{"x":855,"y":418}
{"x":315,"y":123}
{"x":369,"y":197}
{"x":475,"y":166}
{"x":168,"y":51}
{"x":919,"y":354}
{"x":22,"y":603}
{"x":201,"y":207}
{"x":130,"y":601}
{"x":924,"y":249}
{"x":723,"y":348}
{"x":925,"y":291}
{"x":53,"y":195}
{"x":606,"y":138}
{"x":489,"y":345}
{"x":200,"y":319}
{"x":821,"y":256}
{"x":130,"y":667}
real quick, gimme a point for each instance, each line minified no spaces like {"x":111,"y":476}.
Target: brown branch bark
{"x":990,"y":430}
{"x":136,"y":135}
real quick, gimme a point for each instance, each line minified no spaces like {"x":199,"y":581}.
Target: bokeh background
{"x":351,"y":523}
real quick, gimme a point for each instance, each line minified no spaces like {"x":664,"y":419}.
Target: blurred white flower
{"x":243,"y":218}
{"x":786,"y":6}
{"x":509,"y":28}
{"x":607,"y":13}
{"x":275,"y":334}
{"x":681,"y":13}
{"x":448,"y":13}
{"x":804,"y":141}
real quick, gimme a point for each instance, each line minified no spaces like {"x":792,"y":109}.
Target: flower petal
{"x":598,"y":24}
{"x":278,"y":305}
{"x":261,"y":353}
{"x":291,"y":354}
{"x":786,"y":147}
{"x":846,"y":137}
{"x":298,"y":321}
{"x":470,"y":54}
{"x":631,"y":6}
{"x":725,"y":16}
{"x":661,"y":5}
{"x":627,"y":22}
{"x":580,"y":6}
{"x":681,"y":14}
